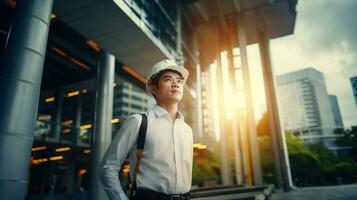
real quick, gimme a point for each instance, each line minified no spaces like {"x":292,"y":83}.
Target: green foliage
{"x":295,"y":145}
{"x":263,"y":126}
{"x":265,"y":148}
{"x":304,"y":164}
{"x":349,"y":139}
{"x":346,"y":170}
{"x":305,"y":168}
{"x":205,"y":167}
{"x":203,"y":172}
{"x":317,"y":165}
{"x":326,"y":157}
{"x":310,"y":164}
{"x":266,"y":157}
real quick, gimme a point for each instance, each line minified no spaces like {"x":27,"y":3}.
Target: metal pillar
{"x":237,"y":152}
{"x":78,"y":118}
{"x":225,"y":167}
{"x":243,"y":147}
{"x":235,"y":119}
{"x":102,"y":135}
{"x":253,"y":139}
{"x":281,"y":161}
{"x":199,"y":100}
{"x":56,"y":126}
{"x":198,"y":86}
{"x":20,"y":80}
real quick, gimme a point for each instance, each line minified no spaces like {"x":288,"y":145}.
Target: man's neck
{"x":171,"y":109}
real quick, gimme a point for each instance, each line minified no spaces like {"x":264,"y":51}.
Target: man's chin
{"x":176,"y":99}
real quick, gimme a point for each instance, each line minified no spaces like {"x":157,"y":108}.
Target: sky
{"x":325,"y":38}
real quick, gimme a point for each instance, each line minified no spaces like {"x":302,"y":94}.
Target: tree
{"x":265,"y":149}
{"x":263,"y":126}
{"x":305,"y":168}
{"x":204,"y":168}
{"x":266,"y":157}
{"x":348,"y":139}
{"x":326,"y":157}
{"x":305,"y":165}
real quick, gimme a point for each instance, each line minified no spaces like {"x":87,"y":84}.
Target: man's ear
{"x":153,"y":89}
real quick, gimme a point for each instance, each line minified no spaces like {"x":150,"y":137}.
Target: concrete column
{"x":56,"y":122}
{"x":102,"y":134}
{"x":237,"y":152}
{"x":253,"y":139}
{"x":243,"y":147}
{"x":78,"y":118}
{"x":20,"y":81}
{"x":225,"y":167}
{"x":199,"y":100}
{"x":198,"y":86}
{"x":234,"y":121}
{"x":281,"y":160}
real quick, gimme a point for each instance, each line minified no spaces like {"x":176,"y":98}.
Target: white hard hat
{"x":164,"y":65}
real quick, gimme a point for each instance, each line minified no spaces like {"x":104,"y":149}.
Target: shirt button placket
{"x":177,"y":155}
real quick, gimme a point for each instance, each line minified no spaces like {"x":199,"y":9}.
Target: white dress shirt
{"x":166,"y":165}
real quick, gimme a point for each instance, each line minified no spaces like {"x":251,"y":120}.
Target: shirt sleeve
{"x":115,"y":155}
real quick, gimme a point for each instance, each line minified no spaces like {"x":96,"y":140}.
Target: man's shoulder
{"x":137,"y":116}
{"x":133,"y":119}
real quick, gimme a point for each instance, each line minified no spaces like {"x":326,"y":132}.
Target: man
{"x":165,"y":170}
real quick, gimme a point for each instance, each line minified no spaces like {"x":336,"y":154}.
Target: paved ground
{"x":341,"y":192}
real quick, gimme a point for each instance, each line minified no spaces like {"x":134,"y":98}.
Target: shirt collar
{"x":159,"y":111}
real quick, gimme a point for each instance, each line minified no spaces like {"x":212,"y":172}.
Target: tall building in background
{"x":336,"y":110}
{"x":129,"y":100}
{"x":306,"y":109}
{"x":354,"y":87}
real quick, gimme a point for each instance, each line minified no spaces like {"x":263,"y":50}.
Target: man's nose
{"x":175,"y":84}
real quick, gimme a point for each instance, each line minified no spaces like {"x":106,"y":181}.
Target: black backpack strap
{"x":142,"y":132}
{"x":139,"y":151}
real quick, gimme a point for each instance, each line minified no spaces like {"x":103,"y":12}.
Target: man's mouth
{"x":176,"y":91}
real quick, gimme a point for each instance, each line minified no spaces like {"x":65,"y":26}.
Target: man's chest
{"x":165,"y":137}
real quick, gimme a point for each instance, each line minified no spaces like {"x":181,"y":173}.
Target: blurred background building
{"x":336,"y":110}
{"x":307,"y":109}
{"x":354,"y":87}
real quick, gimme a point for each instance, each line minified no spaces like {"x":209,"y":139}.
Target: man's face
{"x":170,"y":88}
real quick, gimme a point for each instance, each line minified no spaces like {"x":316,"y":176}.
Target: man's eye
{"x":179,"y":81}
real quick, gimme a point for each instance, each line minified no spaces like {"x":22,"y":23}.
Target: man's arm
{"x":114,"y":157}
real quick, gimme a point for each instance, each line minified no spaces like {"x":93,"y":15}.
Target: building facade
{"x":336,"y":110}
{"x":306,"y":108}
